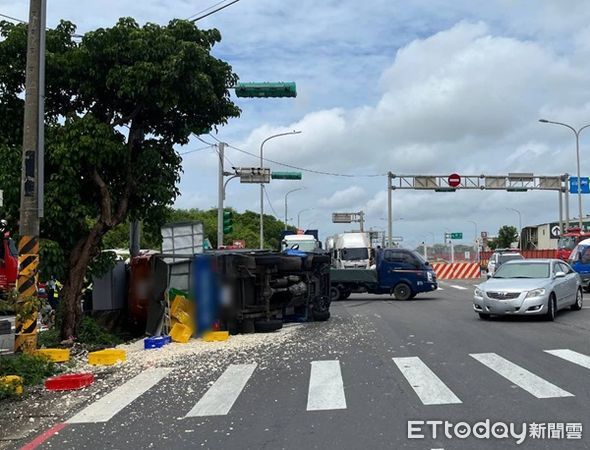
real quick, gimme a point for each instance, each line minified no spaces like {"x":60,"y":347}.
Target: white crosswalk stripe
{"x":109,"y":405}
{"x":220,"y":397}
{"x":521,"y":377}
{"x":429,"y":388}
{"x":571,"y":356}
{"x":456,"y":286}
{"x":326,"y":389}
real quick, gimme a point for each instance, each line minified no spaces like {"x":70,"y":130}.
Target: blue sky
{"x":415,"y":87}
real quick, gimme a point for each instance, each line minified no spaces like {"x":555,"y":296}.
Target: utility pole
{"x":220,"y":194}
{"x":389,"y":211}
{"x":362,"y":221}
{"x":31,"y":178}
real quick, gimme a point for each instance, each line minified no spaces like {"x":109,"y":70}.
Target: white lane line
{"x":220,"y":397}
{"x":429,"y":387}
{"x":571,"y":356}
{"x":326,"y":390}
{"x":461,"y":288}
{"x":109,"y":405}
{"x":521,"y":377}
{"x":440,"y":289}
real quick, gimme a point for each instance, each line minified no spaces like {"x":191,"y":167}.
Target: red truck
{"x":568,"y":241}
{"x":8,"y":264}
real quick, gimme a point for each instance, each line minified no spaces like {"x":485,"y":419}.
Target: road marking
{"x":462,"y":288}
{"x":571,"y":356}
{"x":429,"y":387}
{"x":326,"y":390}
{"x":109,"y":405}
{"x":220,"y":397}
{"x":521,"y":377}
{"x":440,"y":289}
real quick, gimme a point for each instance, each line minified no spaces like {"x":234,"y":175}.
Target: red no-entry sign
{"x":454,"y":180}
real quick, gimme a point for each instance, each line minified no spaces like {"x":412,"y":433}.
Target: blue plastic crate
{"x":167,"y":339}
{"x":154,"y":342}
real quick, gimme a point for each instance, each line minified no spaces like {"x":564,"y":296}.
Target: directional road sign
{"x":254,"y":174}
{"x":584,"y":186}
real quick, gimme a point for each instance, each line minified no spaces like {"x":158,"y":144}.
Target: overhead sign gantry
{"x":512,"y":182}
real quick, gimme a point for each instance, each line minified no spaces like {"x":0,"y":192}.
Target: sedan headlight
{"x":478,"y":292}
{"x":536,"y":293}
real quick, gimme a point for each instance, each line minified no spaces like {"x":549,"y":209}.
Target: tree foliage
{"x":246,"y":226}
{"x":507,"y":234}
{"x":117,"y":103}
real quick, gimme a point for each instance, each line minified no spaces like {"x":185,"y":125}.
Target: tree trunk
{"x":78,"y":265}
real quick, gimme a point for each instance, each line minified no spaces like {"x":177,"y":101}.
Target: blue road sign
{"x":584,"y":186}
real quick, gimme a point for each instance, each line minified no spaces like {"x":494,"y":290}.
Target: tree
{"x":506,"y":236}
{"x":117,"y":103}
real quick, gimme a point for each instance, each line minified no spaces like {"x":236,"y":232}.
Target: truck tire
{"x":321,"y":316}
{"x":268,"y":326}
{"x":335,"y":293}
{"x":320,"y":308}
{"x":402,"y":291}
{"x":247,"y":327}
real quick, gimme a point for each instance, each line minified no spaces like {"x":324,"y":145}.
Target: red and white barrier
{"x":456,"y":271}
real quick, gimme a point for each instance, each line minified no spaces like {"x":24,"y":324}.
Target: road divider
{"x":456,"y":271}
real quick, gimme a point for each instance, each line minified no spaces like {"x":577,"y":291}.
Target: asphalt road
{"x":355,"y":382}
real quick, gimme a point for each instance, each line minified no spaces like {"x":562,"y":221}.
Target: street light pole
{"x":262,"y":185}
{"x":475,"y":239}
{"x":577,"y":134}
{"x":292,"y":190}
{"x":519,"y":226}
{"x":299,"y":215}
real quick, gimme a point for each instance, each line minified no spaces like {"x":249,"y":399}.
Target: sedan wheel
{"x":550,"y":316}
{"x":579,"y":301}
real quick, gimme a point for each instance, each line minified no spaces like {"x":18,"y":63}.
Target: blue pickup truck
{"x":399,"y":272}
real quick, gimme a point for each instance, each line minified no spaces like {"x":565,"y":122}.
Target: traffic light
{"x":228,"y":222}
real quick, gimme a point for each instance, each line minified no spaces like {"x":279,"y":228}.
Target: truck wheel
{"x":320,"y":316}
{"x":320,"y":308}
{"x":402,"y":291}
{"x":335,"y":293}
{"x":268,"y":326}
{"x":247,"y":327}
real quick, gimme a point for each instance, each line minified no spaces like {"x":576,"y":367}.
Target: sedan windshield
{"x":523,"y":270}
{"x":510,"y":257}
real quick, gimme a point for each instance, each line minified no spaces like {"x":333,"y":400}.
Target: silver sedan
{"x":529,"y":287}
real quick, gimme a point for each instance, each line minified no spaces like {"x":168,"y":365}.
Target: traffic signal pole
{"x":220,"y":194}
{"x":31,"y":178}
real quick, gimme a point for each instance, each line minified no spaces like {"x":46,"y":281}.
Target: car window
{"x":564,"y":268}
{"x":523,"y":270}
{"x":509,"y":257}
{"x":556,"y":268}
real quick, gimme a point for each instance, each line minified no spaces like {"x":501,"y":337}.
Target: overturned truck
{"x":241,"y":291}
{"x":260,"y":289}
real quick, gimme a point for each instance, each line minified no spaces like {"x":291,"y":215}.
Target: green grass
{"x":33,"y":370}
{"x":90,"y":334}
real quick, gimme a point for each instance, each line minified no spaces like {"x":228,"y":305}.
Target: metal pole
{"x":567,"y":204}
{"x":362,"y":221}
{"x":220,"y":194}
{"x":26,"y":338}
{"x":134,"y":238}
{"x":286,"y":195}
{"x":262,"y":185}
{"x":389,"y":210}
{"x":579,"y":180}
{"x":560,"y":193}
{"x":425,"y":251}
